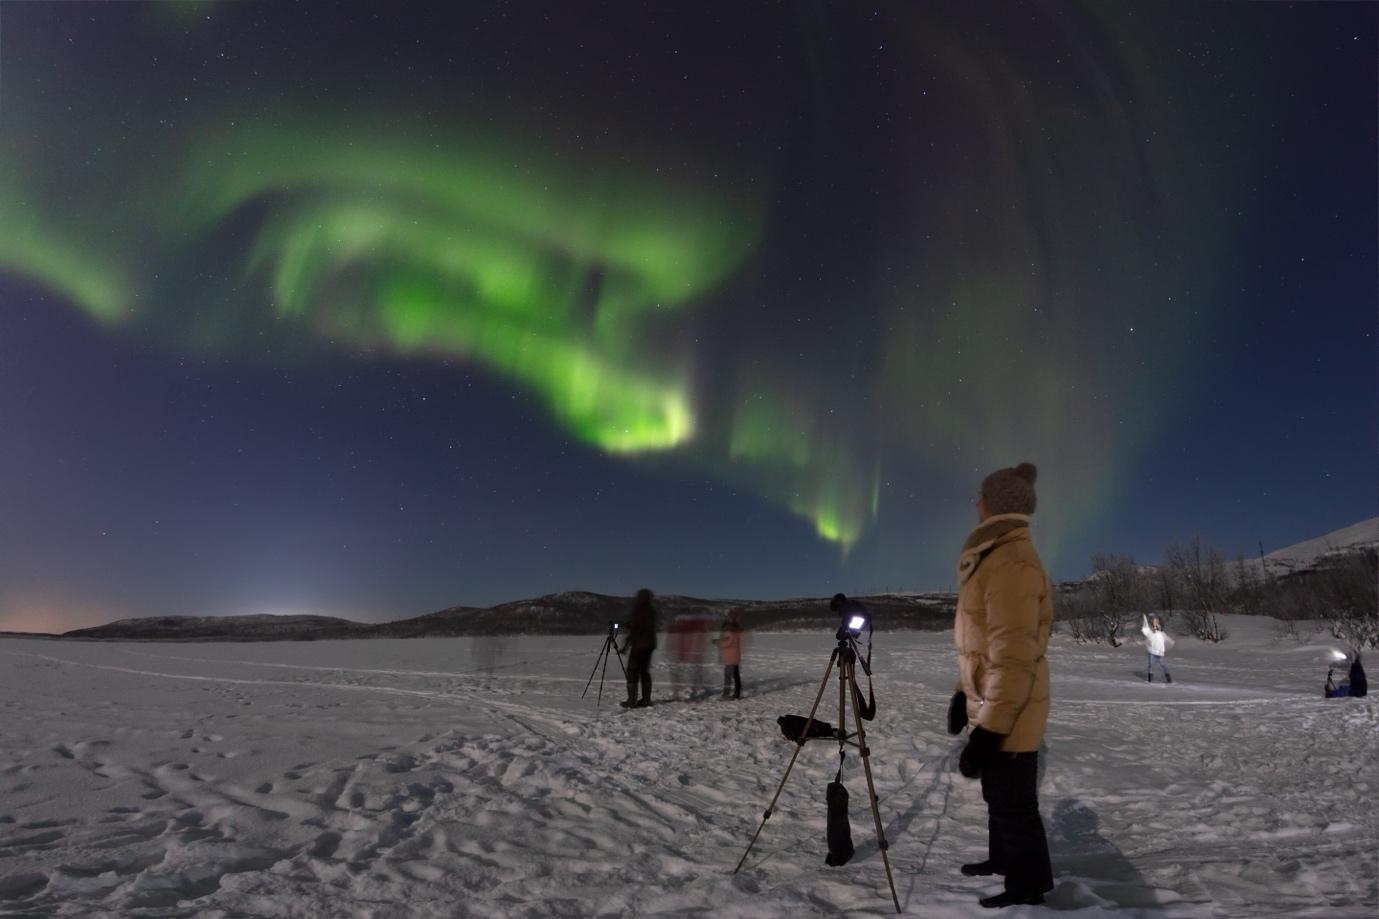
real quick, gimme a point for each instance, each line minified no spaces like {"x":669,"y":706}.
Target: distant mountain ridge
{"x":564,"y":613}
{"x":583,"y":612}
{"x":260,"y":627}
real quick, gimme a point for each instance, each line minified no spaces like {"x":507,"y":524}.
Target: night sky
{"x":374,"y":309}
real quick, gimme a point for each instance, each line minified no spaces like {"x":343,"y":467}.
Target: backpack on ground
{"x":792,"y":726}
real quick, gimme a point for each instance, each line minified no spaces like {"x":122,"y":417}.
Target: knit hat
{"x":1010,"y":490}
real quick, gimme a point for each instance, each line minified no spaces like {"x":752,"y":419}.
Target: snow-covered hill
{"x":1357,"y":537}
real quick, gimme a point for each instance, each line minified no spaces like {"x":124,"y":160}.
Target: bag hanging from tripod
{"x":839,"y":828}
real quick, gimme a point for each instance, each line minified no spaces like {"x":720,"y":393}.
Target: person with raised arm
{"x":1157,"y":642}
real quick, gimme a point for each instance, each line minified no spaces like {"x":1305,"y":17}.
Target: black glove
{"x":982,"y":746}
{"x":957,"y":712}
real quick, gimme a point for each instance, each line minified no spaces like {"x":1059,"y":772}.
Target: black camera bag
{"x":792,"y":726}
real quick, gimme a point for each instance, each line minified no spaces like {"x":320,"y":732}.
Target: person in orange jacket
{"x":729,"y":643}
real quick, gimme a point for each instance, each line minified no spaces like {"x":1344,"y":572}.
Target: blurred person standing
{"x":639,"y":646}
{"x":729,"y":643}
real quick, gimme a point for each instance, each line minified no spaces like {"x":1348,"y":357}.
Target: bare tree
{"x":1203,"y":576}
{"x":1076,"y":607}
{"x":1121,"y":592}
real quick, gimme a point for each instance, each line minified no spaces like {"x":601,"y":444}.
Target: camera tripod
{"x":845,"y":658}
{"x":609,"y":641}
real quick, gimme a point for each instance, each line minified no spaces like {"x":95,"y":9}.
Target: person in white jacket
{"x":1157,"y":643}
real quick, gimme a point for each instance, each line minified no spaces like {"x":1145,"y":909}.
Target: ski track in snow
{"x":450,"y":777}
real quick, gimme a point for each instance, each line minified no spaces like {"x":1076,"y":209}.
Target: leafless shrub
{"x":1122,"y":592}
{"x":1076,"y":609}
{"x":1346,"y":589}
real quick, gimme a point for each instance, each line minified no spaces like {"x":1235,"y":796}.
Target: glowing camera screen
{"x":857,"y":623}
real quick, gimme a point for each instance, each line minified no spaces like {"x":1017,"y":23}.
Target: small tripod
{"x":609,"y":641}
{"x":845,"y":657}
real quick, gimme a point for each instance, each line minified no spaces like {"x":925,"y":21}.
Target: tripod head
{"x":854,"y":617}
{"x":847,"y":649}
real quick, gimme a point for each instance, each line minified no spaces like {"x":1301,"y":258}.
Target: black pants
{"x":1016,"y":841}
{"x":732,"y":674}
{"x":639,"y":669}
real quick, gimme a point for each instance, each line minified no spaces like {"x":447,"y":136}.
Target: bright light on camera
{"x":857,"y":623}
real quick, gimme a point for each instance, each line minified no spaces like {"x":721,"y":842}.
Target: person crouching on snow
{"x":640,"y":643}
{"x":1157,"y":643}
{"x":729,"y":643}
{"x":1004,"y":616}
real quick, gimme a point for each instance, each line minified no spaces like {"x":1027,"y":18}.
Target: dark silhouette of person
{"x":1359,"y":685}
{"x":639,"y":646}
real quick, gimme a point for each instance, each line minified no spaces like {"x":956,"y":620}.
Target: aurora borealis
{"x":374,"y":312}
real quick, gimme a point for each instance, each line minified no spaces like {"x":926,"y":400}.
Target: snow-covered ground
{"x":455,"y":778}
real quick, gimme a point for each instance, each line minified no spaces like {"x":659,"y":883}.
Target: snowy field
{"x":448,"y":778}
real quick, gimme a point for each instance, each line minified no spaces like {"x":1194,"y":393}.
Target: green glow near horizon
{"x":778,"y":431}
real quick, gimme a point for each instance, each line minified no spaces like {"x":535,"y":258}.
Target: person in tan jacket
{"x":1005,"y":612}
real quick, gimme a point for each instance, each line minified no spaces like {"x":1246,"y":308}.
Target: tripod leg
{"x":606,"y":655}
{"x":871,"y":786}
{"x":842,"y":702}
{"x":804,"y":738}
{"x":602,"y":652}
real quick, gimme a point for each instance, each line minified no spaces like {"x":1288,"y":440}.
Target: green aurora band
{"x":581,"y":281}
{"x":548,"y":279}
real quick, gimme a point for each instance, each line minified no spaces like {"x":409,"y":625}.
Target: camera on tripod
{"x":846,"y":657}
{"x":854,"y":617}
{"x":609,"y":648}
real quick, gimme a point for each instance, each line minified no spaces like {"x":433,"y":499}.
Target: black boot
{"x":981,"y":869}
{"x":1011,"y":898}
{"x":1168,"y":677}
{"x":1149,"y":677}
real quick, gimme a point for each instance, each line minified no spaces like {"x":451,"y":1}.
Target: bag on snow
{"x":792,"y":726}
